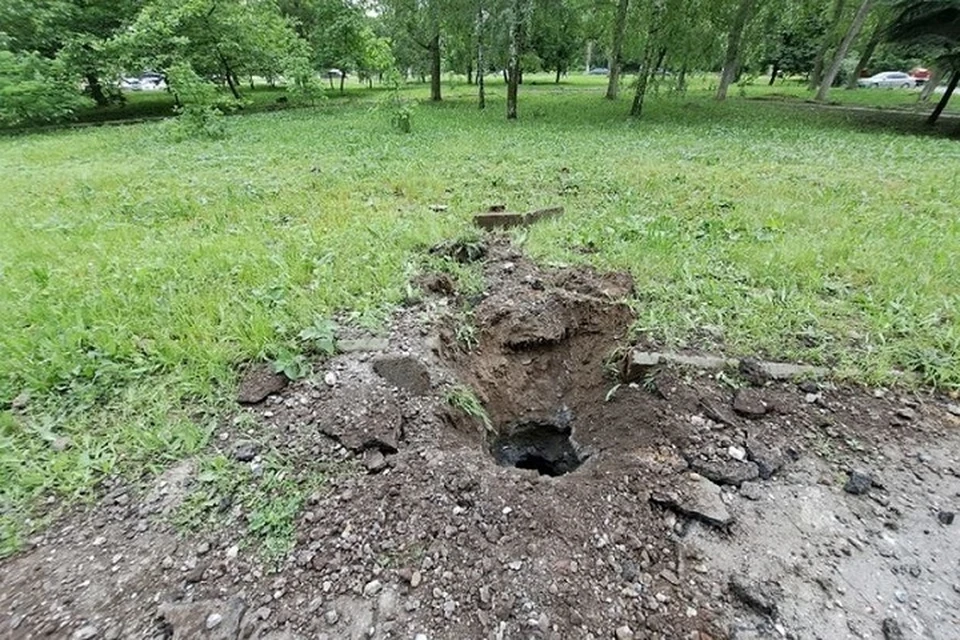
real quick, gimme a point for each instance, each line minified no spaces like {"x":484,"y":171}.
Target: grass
{"x":136,"y":273}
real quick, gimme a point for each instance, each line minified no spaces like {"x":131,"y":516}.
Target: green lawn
{"x":137,"y":273}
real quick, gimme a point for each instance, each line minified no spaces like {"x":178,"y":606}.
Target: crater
{"x":543,"y":447}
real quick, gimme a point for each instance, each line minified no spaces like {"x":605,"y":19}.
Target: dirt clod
{"x":259,"y":382}
{"x":404,"y":372}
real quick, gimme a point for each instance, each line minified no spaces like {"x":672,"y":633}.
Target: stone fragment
{"x":749,"y":403}
{"x":696,"y":497}
{"x":858,"y":483}
{"x":761,"y":597}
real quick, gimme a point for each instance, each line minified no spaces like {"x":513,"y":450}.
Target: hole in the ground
{"x":541,"y":446}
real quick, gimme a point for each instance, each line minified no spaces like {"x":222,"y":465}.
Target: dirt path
{"x":676,"y":506}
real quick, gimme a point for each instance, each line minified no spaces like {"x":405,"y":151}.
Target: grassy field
{"x":137,"y":273}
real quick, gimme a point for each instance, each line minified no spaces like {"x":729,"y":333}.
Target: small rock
{"x":809,"y":386}
{"x":245,"y":450}
{"x":907,"y":413}
{"x":762,"y":598}
{"x":624,"y":633}
{"x":374,"y":461}
{"x":731,"y":472}
{"x":21,"y":401}
{"x":737,"y":453}
{"x":363,"y":344}
{"x":416,"y":579}
{"x":954,"y":409}
{"x":768,"y":459}
{"x":749,"y":403}
{"x":87,"y":632}
{"x":421,"y":636}
{"x":330,"y":379}
{"x":858,"y":483}
{"x":214,"y":620}
{"x":372,"y":588}
{"x":203,"y":548}
{"x":891,"y":630}
{"x":332,"y":617}
{"x":751,"y":491}
{"x":812,"y":398}
{"x":698,"y":498}
{"x":638,"y":365}
{"x":946,"y":517}
{"x":232,"y":552}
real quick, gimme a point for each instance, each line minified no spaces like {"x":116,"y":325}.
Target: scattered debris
{"x":946,"y":517}
{"x":497,"y":218}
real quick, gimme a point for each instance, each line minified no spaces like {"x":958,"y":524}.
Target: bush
{"x":34,"y":90}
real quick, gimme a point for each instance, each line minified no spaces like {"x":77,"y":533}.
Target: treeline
{"x":60,"y":56}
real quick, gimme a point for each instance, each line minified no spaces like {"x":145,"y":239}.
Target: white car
{"x":889,"y":79}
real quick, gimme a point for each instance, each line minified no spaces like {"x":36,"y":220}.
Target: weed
{"x":465,"y":332}
{"x":463,"y":399}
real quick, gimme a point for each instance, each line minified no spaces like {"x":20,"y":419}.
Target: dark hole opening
{"x":541,"y":446}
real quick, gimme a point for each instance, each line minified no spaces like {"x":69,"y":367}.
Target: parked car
{"x":599,"y":71}
{"x":130,"y":84}
{"x":921,"y":75}
{"x":889,"y":79}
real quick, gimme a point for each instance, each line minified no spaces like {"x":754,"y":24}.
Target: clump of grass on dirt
{"x":137,"y":274}
{"x":463,"y":399}
{"x":263,"y":501}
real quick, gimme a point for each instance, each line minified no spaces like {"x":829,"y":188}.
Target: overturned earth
{"x":515,"y":485}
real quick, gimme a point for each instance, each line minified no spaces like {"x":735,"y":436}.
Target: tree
{"x":859,"y":18}
{"x":556,"y":34}
{"x":219,"y":40}
{"x":876,"y":37}
{"x":937,"y":24}
{"x":520,"y":11}
{"x":732,"y":60}
{"x":75,"y":33}
{"x":33,"y":89}
{"x":616,"y":50}
{"x":421,"y":23}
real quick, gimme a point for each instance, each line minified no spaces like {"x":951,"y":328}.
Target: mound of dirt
{"x":571,"y":506}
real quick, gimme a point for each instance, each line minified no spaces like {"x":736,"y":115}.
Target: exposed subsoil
{"x":680,"y":506}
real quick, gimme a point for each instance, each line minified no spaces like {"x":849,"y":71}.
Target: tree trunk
{"x":935,"y":76}
{"x":559,"y":72}
{"x":230,"y":83}
{"x":619,"y":29}
{"x":817,"y":74}
{"x":643,"y":80}
{"x":252,"y":86}
{"x":481,"y":64}
{"x":867,"y":54}
{"x":731,"y":62}
{"x":469,"y":73}
{"x":855,"y":27}
{"x":773,"y":73}
{"x":682,"y":79}
{"x":343,"y":79}
{"x":589,"y":55}
{"x":954,"y":79}
{"x":96,"y":90}
{"x":506,"y":77}
{"x":435,"y":69}
{"x":513,"y":65}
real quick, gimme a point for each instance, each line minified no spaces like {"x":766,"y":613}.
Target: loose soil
{"x":685,"y":505}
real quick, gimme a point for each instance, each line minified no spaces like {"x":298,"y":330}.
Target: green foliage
{"x":35,"y":90}
{"x":322,"y":336}
{"x":291,"y":364}
{"x":463,"y":399}
{"x":400,"y":107}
